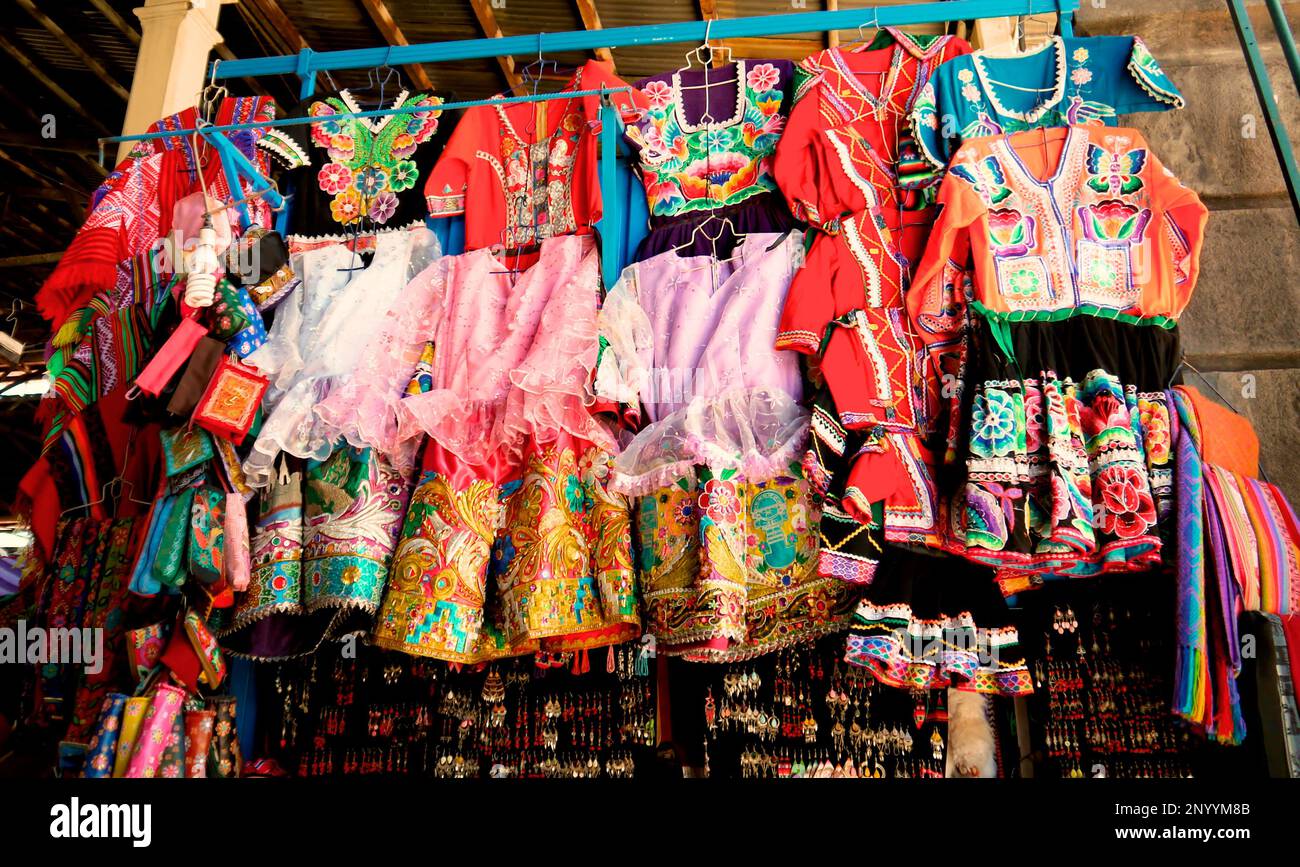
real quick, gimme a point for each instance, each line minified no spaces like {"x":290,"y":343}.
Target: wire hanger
{"x":211,"y":97}
{"x":874,"y":24}
{"x":707,"y":56}
{"x":1184,"y":363}
{"x":1020,"y":33}
{"x":533,"y":73}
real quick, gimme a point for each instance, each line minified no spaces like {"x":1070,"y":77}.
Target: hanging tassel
{"x":609,"y":660}
{"x":586,"y":661}
{"x":643,"y":662}
{"x":69,"y":332}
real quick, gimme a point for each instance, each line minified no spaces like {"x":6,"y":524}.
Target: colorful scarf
{"x":1192,"y":666}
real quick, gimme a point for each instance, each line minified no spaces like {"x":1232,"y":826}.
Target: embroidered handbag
{"x":228,"y":316}
{"x":155,"y":731}
{"x":208,"y":535}
{"x":198,"y":738}
{"x":230,"y":404}
{"x":224,"y":758}
{"x":169,"y":564}
{"x":132,"y":719}
{"x":103,"y":744}
{"x":144,"y":647}
{"x":184,"y":449}
{"x":172,"y":764}
{"x":211,"y":661}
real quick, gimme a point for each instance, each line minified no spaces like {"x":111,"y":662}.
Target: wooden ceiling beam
{"x":103,"y":7}
{"x":33,"y":142}
{"x":77,"y":51}
{"x":275,"y":23}
{"x":487,"y":22}
{"x":50,"y":84}
{"x":591,"y":21}
{"x":393,"y":35}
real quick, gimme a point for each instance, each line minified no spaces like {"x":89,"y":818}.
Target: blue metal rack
{"x":307,"y":63}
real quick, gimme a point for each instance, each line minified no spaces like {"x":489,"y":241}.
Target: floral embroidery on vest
{"x":370,"y":163}
{"x":692,"y":167}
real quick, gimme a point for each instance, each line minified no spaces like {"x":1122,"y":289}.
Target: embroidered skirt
{"x":490,"y":567}
{"x":930,"y":621}
{"x":1067,"y":467}
{"x":321,"y":552}
{"x":729,"y":567}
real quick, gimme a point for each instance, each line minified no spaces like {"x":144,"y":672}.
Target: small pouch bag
{"x":169,"y":565}
{"x":169,"y":358}
{"x":230,"y":403}
{"x":228,"y":316}
{"x":184,"y":449}
{"x":208,"y":535}
{"x":202,"y":366}
{"x":144,"y":647}
{"x":193,"y":656}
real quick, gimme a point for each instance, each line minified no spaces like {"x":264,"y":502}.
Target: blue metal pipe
{"x":1287,"y":38}
{"x":1267,"y":101}
{"x":378,"y":112}
{"x":307,"y":63}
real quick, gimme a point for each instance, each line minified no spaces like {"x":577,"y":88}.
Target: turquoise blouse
{"x":1088,"y":80}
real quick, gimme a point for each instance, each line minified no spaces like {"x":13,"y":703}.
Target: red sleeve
{"x":444,"y":191}
{"x":809,"y":304}
{"x":794,"y":165}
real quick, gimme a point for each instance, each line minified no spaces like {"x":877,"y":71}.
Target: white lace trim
{"x":1036,"y":113}
{"x":679,"y":106}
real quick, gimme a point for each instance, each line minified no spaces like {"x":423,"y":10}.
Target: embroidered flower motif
{"x":369,"y":181}
{"x":382,"y":207}
{"x":1105,"y":411}
{"x":720,"y":501}
{"x":719,"y":177}
{"x":762,"y":78}
{"x":1011,"y":232}
{"x":971,"y":92}
{"x":403,"y":145}
{"x":404,"y":176}
{"x":965,"y":76}
{"x":1024,"y":282}
{"x":1154,"y":416}
{"x":684,"y":513}
{"x":1081,"y":55}
{"x":993,"y":425}
{"x":1081,"y":75}
{"x":334,"y":178}
{"x":1129,"y":508}
{"x":346,"y":207}
{"x":658,"y":94}
{"x":718,"y":140}
{"x":1114,"y":223}
{"x":1034,"y":420}
{"x":342,"y":148}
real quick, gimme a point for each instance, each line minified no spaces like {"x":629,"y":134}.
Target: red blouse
{"x":525,"y":172}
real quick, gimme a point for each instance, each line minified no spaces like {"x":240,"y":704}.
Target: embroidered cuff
{"x":799,"y":341}
{"x":446,"y":205}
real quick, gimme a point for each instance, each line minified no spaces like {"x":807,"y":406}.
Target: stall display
{"x":896,"y":365}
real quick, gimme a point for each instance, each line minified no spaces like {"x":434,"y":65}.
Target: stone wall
{"x":1242,"y":328}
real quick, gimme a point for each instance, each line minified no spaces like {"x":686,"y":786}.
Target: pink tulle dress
{"x":512,"y":541}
